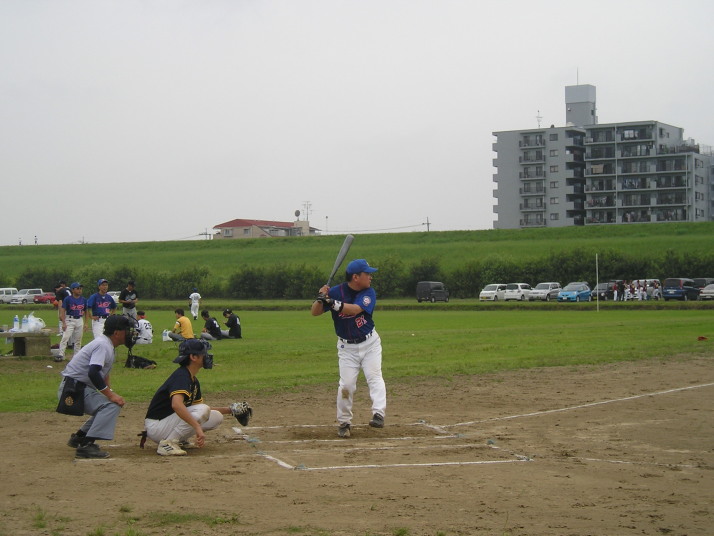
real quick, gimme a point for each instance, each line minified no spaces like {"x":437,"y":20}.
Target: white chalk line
{"x":387,"y":465}
{"x":655,"y":464}
{"x":441,"y":429}
{"x":581,"y":406}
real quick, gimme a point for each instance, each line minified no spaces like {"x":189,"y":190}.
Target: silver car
{"x":545,"y":291}
{"x":707,"y":293}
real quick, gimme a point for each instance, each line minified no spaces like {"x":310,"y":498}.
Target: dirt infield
{"x":612,"y":450}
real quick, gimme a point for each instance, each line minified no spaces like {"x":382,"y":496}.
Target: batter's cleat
{"x":377,"y":421}
{"x":344,"y":430}
{"x":74,"y":441}
{"x":169,"y":447}
{"x":90,"y":450}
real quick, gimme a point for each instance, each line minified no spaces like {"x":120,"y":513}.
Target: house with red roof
{"x":242,"y":228}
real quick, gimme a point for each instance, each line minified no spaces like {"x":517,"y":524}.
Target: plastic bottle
{"x":16,"y":323}
{"x":25,"y":325}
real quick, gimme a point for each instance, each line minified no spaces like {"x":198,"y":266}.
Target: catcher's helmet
{"x":121,"y":323}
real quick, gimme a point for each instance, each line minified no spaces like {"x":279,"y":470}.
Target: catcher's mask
{"x":195,"y":347}
{"x":122,"y":323}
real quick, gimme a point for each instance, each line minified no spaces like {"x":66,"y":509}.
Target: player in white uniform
{"x":144,"y":331}
{"x":195,"y":298}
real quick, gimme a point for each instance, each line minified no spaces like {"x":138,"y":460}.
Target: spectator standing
{"x":144,"y":330}
{"x":182,"y":329}
{"x":233,"y":324}
{"x":128,"y":299}
{"x":74,"y":320}
{"x":102,"y":305}
{"x":92,"y":366}
{"x":211,"y":329}
{"x":195,"y":300}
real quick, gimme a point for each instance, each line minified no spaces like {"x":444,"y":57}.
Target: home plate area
{"x":316,"y":447}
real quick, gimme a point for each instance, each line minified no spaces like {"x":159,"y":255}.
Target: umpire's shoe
{"x":74,"y":441}
{"x":344,"y":430}
{"x":377,"y":421}
{"x":90,"y":450}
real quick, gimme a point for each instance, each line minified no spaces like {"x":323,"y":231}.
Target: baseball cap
{"x":358,"y":266}
{"x":76,"y":285}
{"x":227,"y":312}
{"x":192,"y":346}
{"x":102,"y":281}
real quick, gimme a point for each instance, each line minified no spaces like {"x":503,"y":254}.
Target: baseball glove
{"x":241,"y":411}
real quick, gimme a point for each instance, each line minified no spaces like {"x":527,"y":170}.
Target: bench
{"x":29,"y":344}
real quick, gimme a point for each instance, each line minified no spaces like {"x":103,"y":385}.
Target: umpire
{"x":91,"y":366}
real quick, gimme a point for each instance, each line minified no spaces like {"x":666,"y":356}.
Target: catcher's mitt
{"x":241,"y":411}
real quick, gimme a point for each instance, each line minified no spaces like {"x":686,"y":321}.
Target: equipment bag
{"x":71,"y":401}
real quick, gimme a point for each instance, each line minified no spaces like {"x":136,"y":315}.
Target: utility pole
{"x":427,"y":224}
{"x":206,"y":234}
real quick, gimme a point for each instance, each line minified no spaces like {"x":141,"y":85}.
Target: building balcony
{"x":531,"y":191}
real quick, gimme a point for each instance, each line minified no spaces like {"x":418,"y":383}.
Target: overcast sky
{"x":126,"y":120}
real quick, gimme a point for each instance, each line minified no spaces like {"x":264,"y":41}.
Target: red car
{"x":47,"y":297}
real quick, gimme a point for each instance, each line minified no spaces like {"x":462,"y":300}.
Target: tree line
{"x":394,"y":279}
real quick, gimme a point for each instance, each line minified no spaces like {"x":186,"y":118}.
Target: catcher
{"x":177,"y":410}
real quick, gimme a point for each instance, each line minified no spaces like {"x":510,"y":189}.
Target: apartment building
{"x":594,"y":174}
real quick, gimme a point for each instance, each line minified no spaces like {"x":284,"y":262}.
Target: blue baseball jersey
{"x":101,"y":305}
{"x":74,"y":307}
{"x":356,"y":326}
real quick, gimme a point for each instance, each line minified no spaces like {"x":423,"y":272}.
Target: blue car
{"x":577,"y":291}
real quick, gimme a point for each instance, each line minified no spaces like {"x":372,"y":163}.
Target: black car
{"x":605,"y":291}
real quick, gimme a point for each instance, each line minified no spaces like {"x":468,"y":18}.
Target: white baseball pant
{"x":72,"y":334}
{"x":366,"y":356}
{"x":98,"y":326}
{"x":174,"y":427}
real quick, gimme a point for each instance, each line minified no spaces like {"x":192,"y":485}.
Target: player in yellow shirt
{"x":182,"y":329}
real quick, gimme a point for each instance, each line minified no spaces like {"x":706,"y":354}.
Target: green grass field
{"x":452,"y":248}
{"x":289,"y":349}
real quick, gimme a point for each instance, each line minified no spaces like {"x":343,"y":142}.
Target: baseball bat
{"x":340,"y":257}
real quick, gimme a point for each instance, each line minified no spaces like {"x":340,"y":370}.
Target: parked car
{"x":26,"y":295}
{"x":707,"y":293}
{"x":432,"y":291}
{"x":701,"y":282}
{"x":517,"y":291}
{"x":576,"y":291}
{"x":604,"y":291}
{"x":6,"y":294}
{"x":545,"y":291}
{"x":47,"y":297}
{"x":679,"y":288}
{"x":493,"y":292}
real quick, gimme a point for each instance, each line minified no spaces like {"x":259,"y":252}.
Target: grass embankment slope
{"x":452,"y":248}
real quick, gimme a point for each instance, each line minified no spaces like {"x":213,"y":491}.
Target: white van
{"x":6,"y":294}
{"x":26,"y":295}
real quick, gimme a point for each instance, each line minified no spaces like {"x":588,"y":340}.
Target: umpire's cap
{"x":117,"y":323}
{"x":191,"y":347}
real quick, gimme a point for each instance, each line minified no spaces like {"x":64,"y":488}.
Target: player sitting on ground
{"x":177,"y":411}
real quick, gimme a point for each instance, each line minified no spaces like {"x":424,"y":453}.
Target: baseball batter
{"x":358,"y":344}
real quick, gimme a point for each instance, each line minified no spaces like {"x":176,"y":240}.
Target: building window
{"x":553,"y":184}
{"x":554,"y":169}
{"x":246,"y":231}
{"x":554,"y":216}
{"x":553,"y":137}
{"x":227,"y":232}
{"x":554,"y":152}
{"x":554,"y":200}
